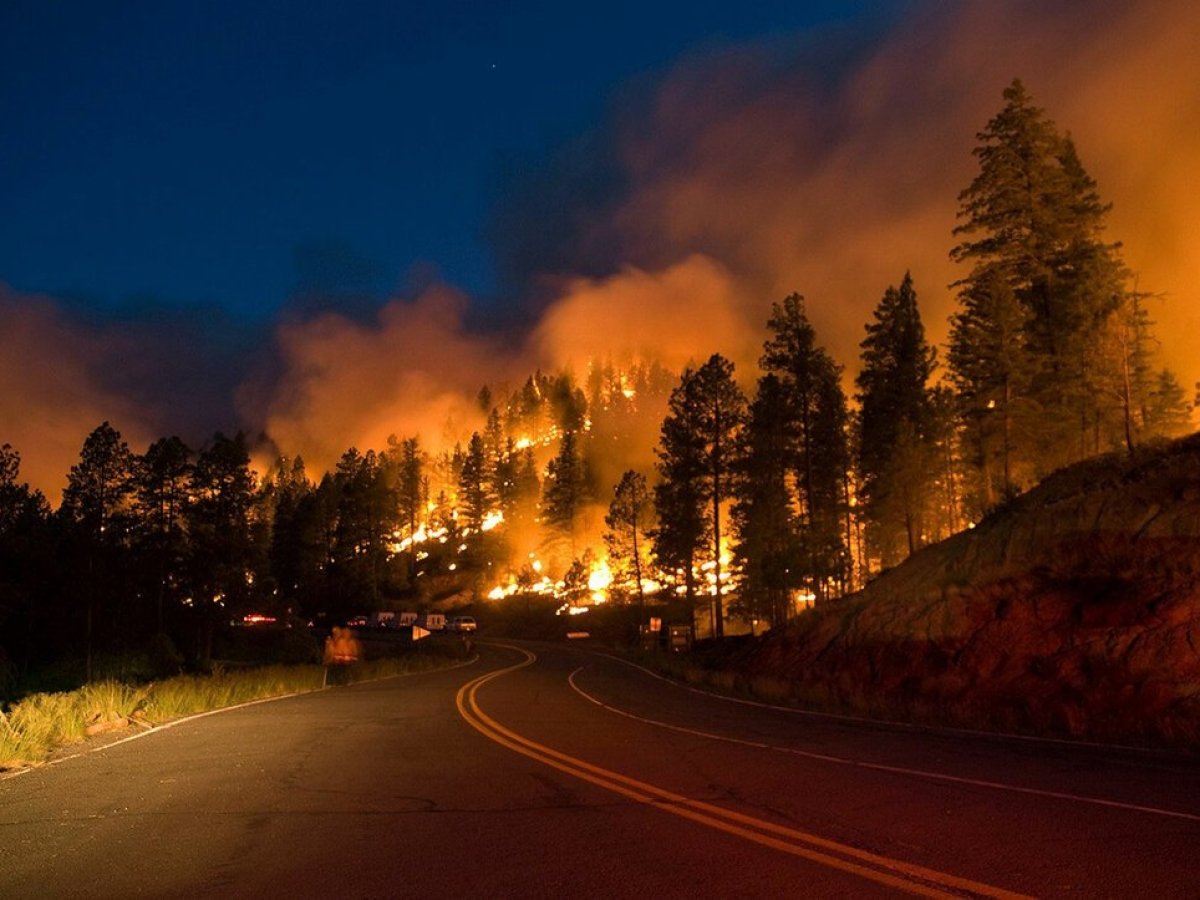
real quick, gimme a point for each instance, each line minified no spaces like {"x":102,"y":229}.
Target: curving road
{"x":552,"y":771}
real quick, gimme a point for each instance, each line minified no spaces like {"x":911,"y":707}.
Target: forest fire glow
{"x":599,"y":580}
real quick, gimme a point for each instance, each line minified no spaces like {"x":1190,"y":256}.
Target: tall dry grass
{"x":34,"y":727}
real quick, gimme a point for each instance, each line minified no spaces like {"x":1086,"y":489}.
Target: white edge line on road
{"x":894,"y":723}
{"x":883,"y":767}
{"x":4,"y":776}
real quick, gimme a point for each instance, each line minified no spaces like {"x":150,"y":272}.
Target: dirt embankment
{"x":1075,"y":610}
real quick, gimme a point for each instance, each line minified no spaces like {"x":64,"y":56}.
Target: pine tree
{"x":520,"y":501}
{"x":28,"y":625}
{"x":896,"y":459}
{"x":566,"y":492}
{"x":294,"y":561}
{"x":161,"y":483}
{"x":1168,"y":413}
{"x":353,"y":537}
{"x":679,"y":500}
{"x":412,"y":489}
{"x":818,"y":452}
{"x":475,"y":498}
{"x":722,"y":415}
{"x":700,"y":444}
{"x":767,"y":548}
{"x":945,"y":439}
{"x":99,"y":485}
{"x":827,"y":536}
{"x":991,"y":372}
{"x":567,"y":403}
{"x":625,"y":537}
{"x":96,"y":504}
{"x":219,"y":523}
{"x":494,"y":442}
{"x":1033,"y":220}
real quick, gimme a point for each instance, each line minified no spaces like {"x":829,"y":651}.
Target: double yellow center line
{"x":881,"y":869}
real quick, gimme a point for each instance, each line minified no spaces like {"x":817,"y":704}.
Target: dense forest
{"x":771,"y":491}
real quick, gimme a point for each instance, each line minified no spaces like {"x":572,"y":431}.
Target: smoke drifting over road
{"x":745,"y":175}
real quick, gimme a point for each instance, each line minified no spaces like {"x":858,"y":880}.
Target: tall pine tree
{"x":896,"y":460}
{"x":625,"y":533}
{"x":767,"y":548}
{"x":1032,"y":230}
{"x":818,"y":452}
{"x":96,"y":506}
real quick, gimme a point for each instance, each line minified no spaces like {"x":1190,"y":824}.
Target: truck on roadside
{"x":433,"y":621}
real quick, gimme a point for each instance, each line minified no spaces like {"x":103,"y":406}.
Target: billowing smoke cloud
{"x":414,"y":371}
{"x":52,"y":391}
{"x":678,"y":316}
{"x":738,"y":177}
{"x":836,"y":190}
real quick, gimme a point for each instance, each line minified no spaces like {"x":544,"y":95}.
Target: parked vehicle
{"x":432,"y":621}
{"x":384,"y":619}
{"x":461,"y":623}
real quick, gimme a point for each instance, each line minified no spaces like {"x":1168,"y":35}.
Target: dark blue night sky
{"x":241,"y":154}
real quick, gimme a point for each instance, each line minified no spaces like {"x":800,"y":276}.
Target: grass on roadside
{"x":32,"y":728}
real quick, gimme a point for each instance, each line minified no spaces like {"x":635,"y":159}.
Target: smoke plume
{"x":738,"y":176}
{"x":52,"y":393}
{"x":835,"y":190}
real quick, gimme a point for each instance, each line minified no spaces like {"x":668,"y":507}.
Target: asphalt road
{"x":556,"y":772}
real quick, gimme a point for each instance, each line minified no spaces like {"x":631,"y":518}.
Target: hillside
{"x":1074,"y":610}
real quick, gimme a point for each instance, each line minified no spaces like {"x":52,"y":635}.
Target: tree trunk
{"x":637,"y":568}
{"x":1007,"y":439}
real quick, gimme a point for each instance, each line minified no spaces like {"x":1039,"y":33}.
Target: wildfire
{"x":422,"y":535}
{"x":599,"y":580}
{"x":705,"y":576}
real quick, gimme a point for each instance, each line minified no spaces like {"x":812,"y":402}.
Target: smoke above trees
{"x":743,"y":175}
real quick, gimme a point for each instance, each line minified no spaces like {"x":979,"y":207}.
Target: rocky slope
{"x":1075,"y":610}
